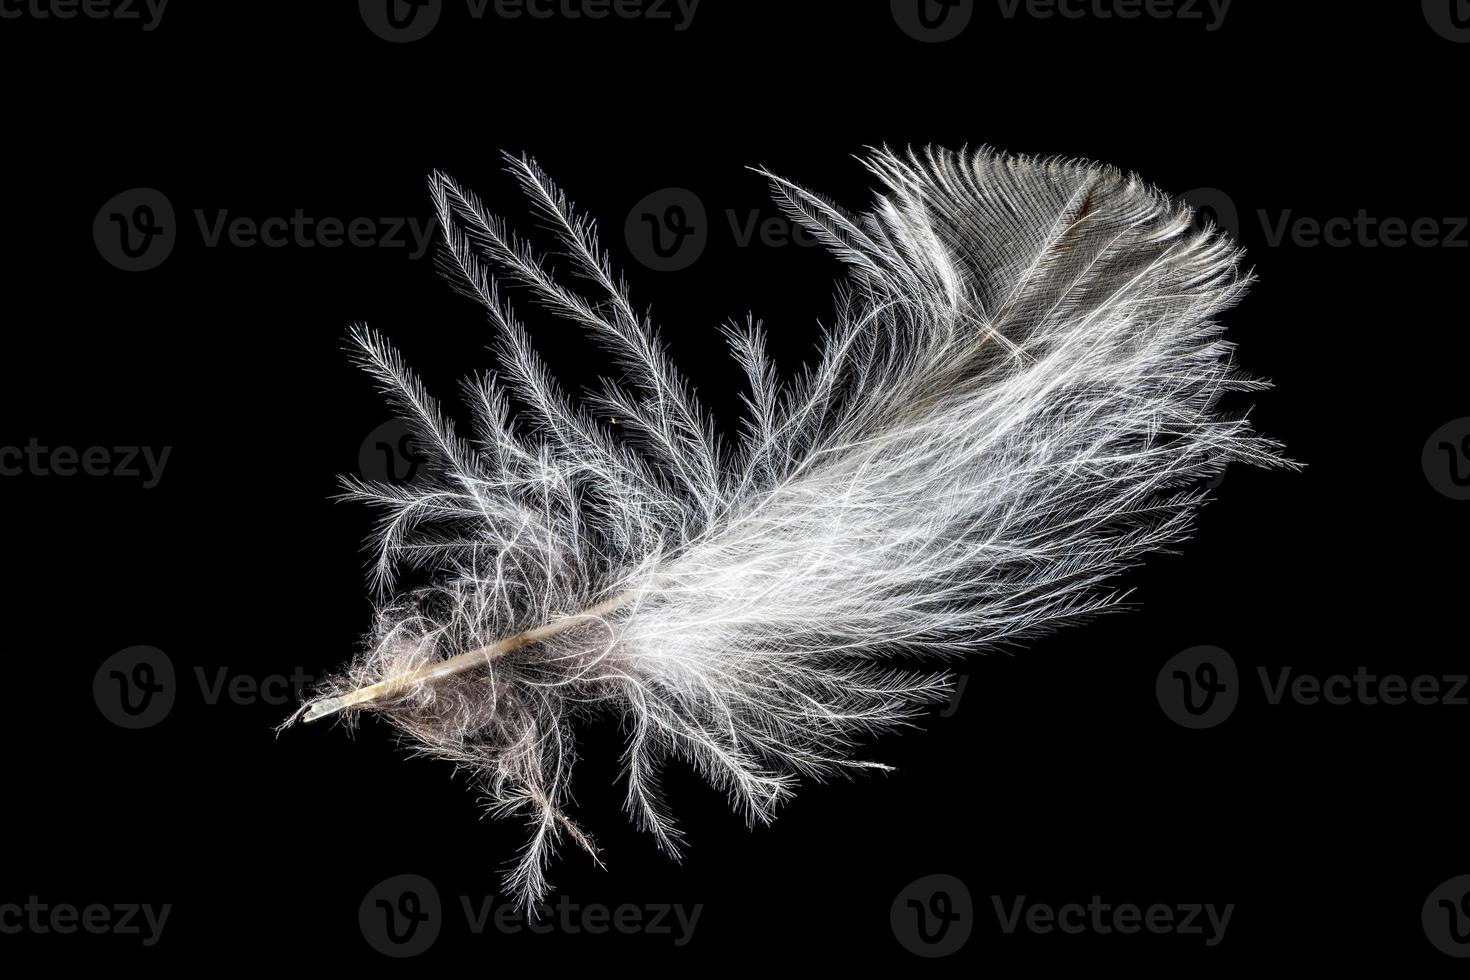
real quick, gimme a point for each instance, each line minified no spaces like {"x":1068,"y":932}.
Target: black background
{"x":1058,"y":777}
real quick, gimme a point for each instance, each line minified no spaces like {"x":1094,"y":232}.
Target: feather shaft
{"x":458,"y":664}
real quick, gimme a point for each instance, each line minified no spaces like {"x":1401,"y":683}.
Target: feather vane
{"x":1017,"y":399}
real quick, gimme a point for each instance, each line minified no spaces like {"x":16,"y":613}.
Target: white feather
{"x":1017,"y":400}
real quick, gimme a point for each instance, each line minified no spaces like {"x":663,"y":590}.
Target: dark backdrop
{"x":1060,"y":774}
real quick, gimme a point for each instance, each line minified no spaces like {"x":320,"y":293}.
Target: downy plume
{"x":1016,"y":400}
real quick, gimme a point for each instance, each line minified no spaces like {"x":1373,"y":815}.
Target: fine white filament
{"x":1017,"y":398}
